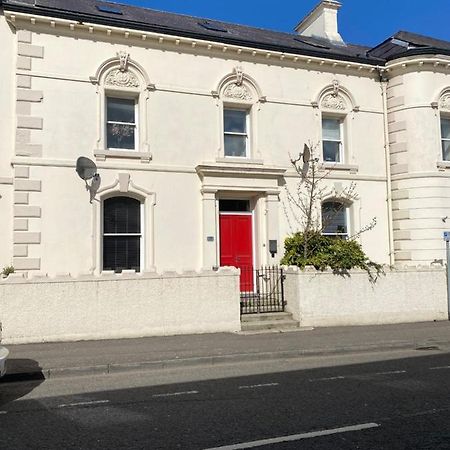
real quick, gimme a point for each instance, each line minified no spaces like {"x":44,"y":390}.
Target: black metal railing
{"x":262,"y":290}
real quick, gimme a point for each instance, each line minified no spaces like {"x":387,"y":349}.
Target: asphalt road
{"x":387,"y":401}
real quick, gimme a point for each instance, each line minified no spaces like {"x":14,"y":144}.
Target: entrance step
{"x":282,"y":321}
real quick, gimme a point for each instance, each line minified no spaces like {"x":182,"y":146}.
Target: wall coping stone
{"x":40,"y":277}
{"x":357,"y":271}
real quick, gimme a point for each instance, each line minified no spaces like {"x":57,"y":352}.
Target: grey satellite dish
{"x":86,"y":168}
{"x":306,"y":154}
{"x":306,"y":159}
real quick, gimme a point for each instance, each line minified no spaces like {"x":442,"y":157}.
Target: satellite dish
{"x":306,"y":154}
{"x":86,"y":168}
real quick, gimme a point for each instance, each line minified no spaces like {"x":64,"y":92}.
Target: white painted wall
{"x":113,"y":307}
{"x":184,"y":123}
{"x":420,"y":180}
{"x":322,"y":299}
{"x":7,"y":56}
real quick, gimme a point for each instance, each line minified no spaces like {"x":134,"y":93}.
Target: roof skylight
{"x":211,"y":26}
{"x":109,"y":9}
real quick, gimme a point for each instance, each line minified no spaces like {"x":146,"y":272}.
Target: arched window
{"x":238,"y":94}
{"x":123,"y":93}
{"x":444,"y":107}
{"x":335,"y":104}
{"x":335,"y":219}
{"x":445,"y":137}
{"x":122,"y":234}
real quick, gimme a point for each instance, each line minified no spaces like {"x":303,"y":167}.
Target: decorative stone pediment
{"x":122,"y":72}
{"x":237,"y":91}
{"x":335,"y":97}
{"x":445,"y":102}
{"x":122,"y":78}
{"x":333,"y":101}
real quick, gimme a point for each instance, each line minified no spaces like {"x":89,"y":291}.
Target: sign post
{"x":447,"y":245}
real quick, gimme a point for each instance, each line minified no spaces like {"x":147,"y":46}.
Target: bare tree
{"x":303,"y":207}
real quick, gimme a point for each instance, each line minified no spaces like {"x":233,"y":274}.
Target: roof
{"x":144,"y":19}
{"x":188,"y":26}
{"x":404,"y":44}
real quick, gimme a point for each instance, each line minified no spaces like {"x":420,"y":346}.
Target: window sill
{"x":102,"y":155}
{"x":443,"y":165}
{"x":352,"y":168}
{"x":242,"y":160}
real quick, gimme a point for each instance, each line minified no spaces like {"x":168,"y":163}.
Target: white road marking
{"x":328,"y":379}
{"x":3,"y":412}
{"x":394,"y":372}
{"x":297,"y":437}
{"x":174,"y":394}
{"x":259,"y":386}
{"x":439,"y":368}
{"x":341,"y":377}
{"x":97,"y":402}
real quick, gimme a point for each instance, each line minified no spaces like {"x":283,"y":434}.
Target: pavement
{"x":49,"y":360}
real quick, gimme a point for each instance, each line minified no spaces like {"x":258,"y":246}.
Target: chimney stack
{"x":322,"y":22}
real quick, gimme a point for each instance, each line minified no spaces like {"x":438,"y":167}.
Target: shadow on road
{"x":22,"y":376}
{"x":407,"y":397}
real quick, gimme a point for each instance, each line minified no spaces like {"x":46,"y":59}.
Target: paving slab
{"x":156,"y":353}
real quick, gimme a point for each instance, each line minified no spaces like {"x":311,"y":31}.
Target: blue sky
{"x":365,"y":22}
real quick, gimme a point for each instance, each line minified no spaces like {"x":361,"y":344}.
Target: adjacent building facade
{"x":192,"y":124}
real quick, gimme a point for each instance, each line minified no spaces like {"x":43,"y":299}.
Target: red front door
{"x":236,"y":246}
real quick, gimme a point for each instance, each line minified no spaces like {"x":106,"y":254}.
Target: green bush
{"x":314,"y":249}
{"x":7,"y":270}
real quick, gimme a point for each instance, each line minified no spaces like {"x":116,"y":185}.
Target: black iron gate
{"x":262,"y":290}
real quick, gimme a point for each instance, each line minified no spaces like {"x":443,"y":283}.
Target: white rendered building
{"x":191,"y":123}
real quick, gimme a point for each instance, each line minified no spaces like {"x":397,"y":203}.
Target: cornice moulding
{"x":239,"y":169}
{"x":161,"y":39}
{"x":441,"y":62}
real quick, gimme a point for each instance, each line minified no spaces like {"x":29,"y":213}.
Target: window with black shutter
{"x":122,"y":234}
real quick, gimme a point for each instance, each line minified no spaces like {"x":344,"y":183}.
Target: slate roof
{"x":145,"y":19}
{"x":405,"y":43}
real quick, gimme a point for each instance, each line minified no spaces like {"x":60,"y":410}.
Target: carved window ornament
{"x":237,"y":90}
{"x":121,"y":77}
{"x":444,"y":102}
{"x":123,"y":60}
{"x":238,"y":87}
{"x":335,"y":98}
{"x":336,"y":102}
{"x":335,"y":88}
{"x":122,"y":72}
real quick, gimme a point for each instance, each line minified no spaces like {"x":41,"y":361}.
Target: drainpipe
{"x":387,"y":158}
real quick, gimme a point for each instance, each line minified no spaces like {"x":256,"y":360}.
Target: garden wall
{"x":118,"y":306}
{"x":409,"y":294}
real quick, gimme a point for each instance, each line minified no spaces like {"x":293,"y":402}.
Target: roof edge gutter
{"x":139,"y":26}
